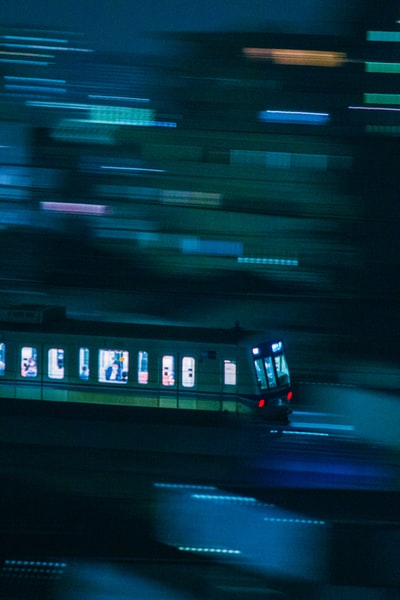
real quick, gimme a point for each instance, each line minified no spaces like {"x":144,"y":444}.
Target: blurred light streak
{"x":218,"y":498}
{"x":34,"y":54}
{"x":333,"y":426}
{"x":133,"y":169}
{"x":383,"y":108}
{"x":385,"y":129}
{"x":376,"y":98}
{"x":286,"y":262}
{"x":123,"y":115}
{"x":34,"y":39}
{"x":297,"y":521}
{"x":383,"y":36}
{"x":265,"y":537}
{"x":382,"y":67}
{"x":183,"y":486}
{"x":289,"y":160}
{"x":129,"y":191}
{"x":117,"y":98}
{"x":25,"y":60}
{"x":42,"y":47}
{"x":76,"y":208}
{"x":314,"y":58}
{"x":296,"y":117}
{"x":310,"y":433}
{"x":193,"y":245}
{"x":191,"y":198}
{"x":208,"y":550}
{"x":36,"y":79}
{"x":63,"y":105}
{"x":84,"y":131}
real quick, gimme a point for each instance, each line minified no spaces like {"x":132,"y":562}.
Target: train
{"x":49,"y":356}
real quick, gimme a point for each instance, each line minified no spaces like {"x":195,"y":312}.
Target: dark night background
{"x":209,"y":163}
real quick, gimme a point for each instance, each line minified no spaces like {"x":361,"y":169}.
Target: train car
{"x":47,"y":356}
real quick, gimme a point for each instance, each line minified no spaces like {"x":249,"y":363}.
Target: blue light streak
{"x":224,"y":498}
{"x":124,"y":98}
{"x":36,"y":63}
{"x":296,"y":117}
{"x":34,"y":39}
{"x":36,"y":79}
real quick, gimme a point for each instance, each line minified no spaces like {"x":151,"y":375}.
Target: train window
{"x":143,"y":367}
{"x":282,"y":369}
{"x":188,"y":371}
{"x":84,"y":370}
{"x":229,"y":372}
{"x":269,"y":369}
{"x":55,"y":365}
{"x":29,"y":361}
{"x":113,"y":366}
{"x":168,"y":370}
{"x":261,"y":378}
{"x":2,"y":358}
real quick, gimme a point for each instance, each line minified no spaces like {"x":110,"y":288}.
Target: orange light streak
{"x":282,"y":56}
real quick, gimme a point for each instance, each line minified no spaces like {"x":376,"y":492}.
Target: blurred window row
{"x":113,"y":366}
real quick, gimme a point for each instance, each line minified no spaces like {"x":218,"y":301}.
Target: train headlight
{"x":256,"y":351}
{"x":276,"y":347}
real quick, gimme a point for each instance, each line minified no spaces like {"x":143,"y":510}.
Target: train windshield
{"x":271,"y":366}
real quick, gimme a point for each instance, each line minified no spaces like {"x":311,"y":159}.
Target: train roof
{"x":53,"y":319}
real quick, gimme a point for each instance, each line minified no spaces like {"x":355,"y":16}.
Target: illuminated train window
{"x":282,"y":369}
{"x":56,"y":363}
{"x":261,"y":378}
{"x":143,"y":367}
{"x":29,"y":361}
{"x":113,"y":366}
{"x":188,"y":371}
{"x":229,"y":372}
{"x":2,"y":358}
{"x":84,"y":370}
{"x":168,"y":370}
{"x":269,"y":369}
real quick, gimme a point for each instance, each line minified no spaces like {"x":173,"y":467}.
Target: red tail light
{"x":261,"y":403}
{"x":290,"y":395}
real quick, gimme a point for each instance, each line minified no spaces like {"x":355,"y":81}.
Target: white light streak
{"x":208,"y":550}
{"x":183,"y":486}
{"x":381,"y":108}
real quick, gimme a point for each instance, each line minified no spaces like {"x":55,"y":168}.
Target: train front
{"x":274,"y":394}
